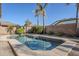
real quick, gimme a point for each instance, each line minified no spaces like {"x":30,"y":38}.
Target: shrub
{"x":36,"y":29}
{"x":39,"y":29}
{"x":20,"y":30}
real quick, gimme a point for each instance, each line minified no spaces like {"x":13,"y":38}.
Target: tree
{"x":10,"y":29}
{"x":27,"y":23}
{"x":41,"y":9}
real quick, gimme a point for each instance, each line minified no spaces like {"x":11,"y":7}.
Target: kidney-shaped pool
{"x":39,"y":43}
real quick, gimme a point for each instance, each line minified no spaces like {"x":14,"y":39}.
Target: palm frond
{"x":42,"y":12}
{"x":45,"y":5}
{"x":39,"y":6}
{"x":36,"y":12}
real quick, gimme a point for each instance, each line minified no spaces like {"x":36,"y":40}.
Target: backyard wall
{"x":64,"y":28}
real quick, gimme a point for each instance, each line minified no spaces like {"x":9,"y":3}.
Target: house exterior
{"x":4,"y":27}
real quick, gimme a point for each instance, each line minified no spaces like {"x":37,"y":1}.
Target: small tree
{"x":27,"y":23}
{"x":10,"y":29}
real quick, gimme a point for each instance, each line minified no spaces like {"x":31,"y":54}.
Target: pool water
{"x":38,"y":44}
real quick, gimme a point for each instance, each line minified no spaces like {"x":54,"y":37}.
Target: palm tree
{"x":41,"y":9}
{"x":77,"y":10}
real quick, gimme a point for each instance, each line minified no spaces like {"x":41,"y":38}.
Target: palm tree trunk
{"x":43,"y":26}
{"x":38,"y":20}
{"x":76,"y":20}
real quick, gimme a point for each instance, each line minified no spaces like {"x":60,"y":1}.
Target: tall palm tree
{"x":77,"y":10}
{"x":41,"y":9}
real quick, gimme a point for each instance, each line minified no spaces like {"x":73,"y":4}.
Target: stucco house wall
{"x":3,"y":30}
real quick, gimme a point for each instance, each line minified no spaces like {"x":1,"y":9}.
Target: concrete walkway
{"x":5,"y":49}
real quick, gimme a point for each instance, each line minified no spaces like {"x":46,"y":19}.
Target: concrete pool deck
{"x":5,"y":49}
{"x":68,"y":48}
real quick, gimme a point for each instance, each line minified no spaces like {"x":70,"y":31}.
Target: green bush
{"x":36,"y":29}
{"x":20,"y":30}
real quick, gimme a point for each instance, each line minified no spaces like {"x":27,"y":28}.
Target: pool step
{"x":5,"y":49}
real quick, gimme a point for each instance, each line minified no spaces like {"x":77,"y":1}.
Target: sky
{"x":18,"y":13}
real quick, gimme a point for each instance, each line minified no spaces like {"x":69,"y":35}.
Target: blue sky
{"x":19,"y":13}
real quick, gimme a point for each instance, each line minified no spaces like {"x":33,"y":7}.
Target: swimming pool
{"x":39,"y":43}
